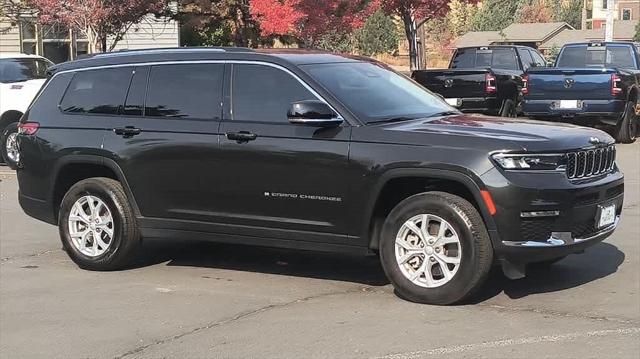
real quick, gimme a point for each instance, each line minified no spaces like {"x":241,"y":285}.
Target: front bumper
{"x":522,"y":239}
{"x":609,"y":109}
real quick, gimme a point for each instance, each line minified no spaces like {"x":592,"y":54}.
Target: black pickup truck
{"x":591,"y":84}
{"x":483,"y":79}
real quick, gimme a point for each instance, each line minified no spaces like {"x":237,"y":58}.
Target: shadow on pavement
{"x":575,"y":270}
{"x":329,"y":266}
{"x":597,"y":262}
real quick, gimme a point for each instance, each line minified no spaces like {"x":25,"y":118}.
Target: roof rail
{"x":126,"y":52}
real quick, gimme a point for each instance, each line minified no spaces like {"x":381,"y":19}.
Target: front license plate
{"x":452,"y":101}
{"x":607,"y":215}
{"x":568,"y":103}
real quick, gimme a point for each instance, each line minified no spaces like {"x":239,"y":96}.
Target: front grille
{"x":590,"y":163}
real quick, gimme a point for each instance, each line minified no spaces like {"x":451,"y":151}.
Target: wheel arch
{"x":9,"y":116}
{"x":412,"y":181}
{"x":72,"y":169}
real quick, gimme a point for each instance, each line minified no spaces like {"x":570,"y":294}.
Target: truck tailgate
{"x":453,"y":83}
{"x":570,"y":84}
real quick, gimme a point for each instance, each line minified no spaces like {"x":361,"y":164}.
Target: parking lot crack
{"x":233,"y":319}
{"x":559,"y":314}
{"x":7,"y":259}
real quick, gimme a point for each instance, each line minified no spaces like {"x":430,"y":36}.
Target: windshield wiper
{"x":445,"y":113}
{"x":393,"y":119}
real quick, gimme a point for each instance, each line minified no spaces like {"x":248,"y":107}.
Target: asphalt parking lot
{"x":194,"y":300}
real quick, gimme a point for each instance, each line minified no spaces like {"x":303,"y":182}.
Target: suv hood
{"x":494,"y":133}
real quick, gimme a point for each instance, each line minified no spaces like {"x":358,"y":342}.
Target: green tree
{"x":636,"y":37}
{"x":494,"y":15}
{"x":378,"y":35}
{"x":336,"y":41}
{"x":460,"y":17}
{"x":570,"y":12}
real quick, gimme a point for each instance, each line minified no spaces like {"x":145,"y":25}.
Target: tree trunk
{"x":103,"y":42}
{"x":412,"y":37}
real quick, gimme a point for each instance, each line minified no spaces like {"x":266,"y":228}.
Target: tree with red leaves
{"x":308,"y":20}
{"x":413,"y":14}
{"x":97,"y":19}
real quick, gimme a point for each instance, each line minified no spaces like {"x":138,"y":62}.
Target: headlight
{"x":542,"y":162}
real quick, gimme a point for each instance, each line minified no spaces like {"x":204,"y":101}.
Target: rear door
{"x":166,"y":138}
{"x":289,"y":178}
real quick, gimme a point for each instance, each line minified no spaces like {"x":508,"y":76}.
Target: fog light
{"x":535,"y":214}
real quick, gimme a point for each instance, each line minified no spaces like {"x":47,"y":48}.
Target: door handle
{"x":241,"y":137}
{"x":127,"y":131}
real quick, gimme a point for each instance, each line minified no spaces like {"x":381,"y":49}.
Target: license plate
{"x":607,"y":215}
{"x":452,"y":101}
{"x":568,"y":103}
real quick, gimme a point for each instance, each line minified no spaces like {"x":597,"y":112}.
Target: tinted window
{"x":526,"y":59}
{"x":499,"y":58}
{"x":538,"y":59}
{"x":135,"y":98}
{"x":610,"y":56}
{"x":97,"y":91}
{"x":23,"y":69}
{"x":190,"y":90}
{"x":264,"y":93}
{"x":375,"y":93}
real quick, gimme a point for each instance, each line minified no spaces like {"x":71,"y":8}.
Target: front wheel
{"x":627,"y":128}
{"x":97,"y":225}
{"x":9,"y":153}
{"x":435,"y":248}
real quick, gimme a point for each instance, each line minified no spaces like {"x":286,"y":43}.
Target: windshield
{"x":498,"y":58}
{"x":597,"y":56}
{"x":23,"y":69}
{"x":374,"y":93}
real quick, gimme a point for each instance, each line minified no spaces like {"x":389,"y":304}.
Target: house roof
{"x":532,"y":32}
{"x":623,"y":30}
{"x":477,"y":38}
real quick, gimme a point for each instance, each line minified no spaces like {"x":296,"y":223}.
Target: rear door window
{"x":619,"y":56}
{"x":185,"y":91}
{"x":97,"y":91}
{"x":134,"y":106}
{"x":499,"y":58}
{"x":525,"y":57}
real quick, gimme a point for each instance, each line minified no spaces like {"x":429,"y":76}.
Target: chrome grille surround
{"x":590,"y":162}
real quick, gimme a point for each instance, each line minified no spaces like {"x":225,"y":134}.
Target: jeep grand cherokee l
{"x":311,"y":151}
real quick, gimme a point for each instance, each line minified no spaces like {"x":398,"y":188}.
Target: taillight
{"x":28,"y":128}
{"x":616,"y":85}
{"x":489,"y":83}
{"x":525,"y":84}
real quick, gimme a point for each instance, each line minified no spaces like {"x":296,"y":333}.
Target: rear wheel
{"x":9,"y":145}
{"x":435,"y":248}
{"x":627,"y":128}
{"x":97,"y":225}
{"x":508,"y":109}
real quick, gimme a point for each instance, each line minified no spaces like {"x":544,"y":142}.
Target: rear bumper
{"x":606,"y":109}
{"x":484,"y":105}
{"x":37,"y":208}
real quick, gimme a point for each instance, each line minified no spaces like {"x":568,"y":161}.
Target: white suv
{"x":21,"y":77}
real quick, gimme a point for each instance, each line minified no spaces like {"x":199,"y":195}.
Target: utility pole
{"x":608,"y":31}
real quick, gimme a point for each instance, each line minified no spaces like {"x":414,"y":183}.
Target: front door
{"x":289,"y":179}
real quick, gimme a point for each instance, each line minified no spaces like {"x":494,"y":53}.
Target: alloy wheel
{"x":91,"y":226}
{"x":428,"y":250}
{"x":11,"y":146}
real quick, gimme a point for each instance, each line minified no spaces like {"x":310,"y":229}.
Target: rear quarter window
{"x":97,"y":91}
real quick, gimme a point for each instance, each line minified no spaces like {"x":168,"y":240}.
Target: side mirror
{"x":313,"y":113}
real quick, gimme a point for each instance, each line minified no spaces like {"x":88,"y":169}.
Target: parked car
{"x":591,"y":84}
{"x":21,"y":77}
{"x":484,"y":79}
{"x":310,"y":151}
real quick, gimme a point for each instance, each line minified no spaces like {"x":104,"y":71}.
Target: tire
{"x":508,"y":109}
{"x":475,"y":259}
{"x":119,"y":251}
{"x":5,"y":133}
{"x":627,"y":128}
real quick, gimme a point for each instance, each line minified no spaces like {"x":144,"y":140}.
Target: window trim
{"x":152,"y":63}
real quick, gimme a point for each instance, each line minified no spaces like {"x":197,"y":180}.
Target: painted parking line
{"x":513,"y":342}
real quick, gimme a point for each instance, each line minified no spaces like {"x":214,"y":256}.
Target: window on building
{"x":56,"y":43}
{"x":97,"y":91}
{"x":626,"y":14}
{"x":29,"y":40}
{"x":604,"y":4}
{"x":186,"y":91}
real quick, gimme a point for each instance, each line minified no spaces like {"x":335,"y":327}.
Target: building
{"x":545,"y":36}
{"x":594,"y":15}
{"x":59,"y":44}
